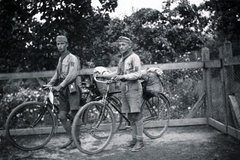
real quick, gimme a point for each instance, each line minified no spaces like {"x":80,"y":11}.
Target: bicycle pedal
{"x":128,"y":127}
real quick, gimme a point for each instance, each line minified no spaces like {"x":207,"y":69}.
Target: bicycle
{"x":31,"y":125}
{"x":155,"y":107}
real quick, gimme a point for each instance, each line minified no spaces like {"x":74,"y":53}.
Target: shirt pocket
{"x":64,"y":68}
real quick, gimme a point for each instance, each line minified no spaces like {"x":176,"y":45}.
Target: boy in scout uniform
{"x":63,"y":82}
{"x":129,"y":72}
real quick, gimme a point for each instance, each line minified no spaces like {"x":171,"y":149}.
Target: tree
{"x":224,"y":21}
{"x":155,"y":32}
{"x":28,"y":45}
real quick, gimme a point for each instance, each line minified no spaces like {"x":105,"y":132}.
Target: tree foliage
{"x":224,"y":22}
{"x":167,"y":35}
{"x":29,"y":45}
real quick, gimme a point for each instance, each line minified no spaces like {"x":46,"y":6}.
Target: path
{"x":181,"y":143}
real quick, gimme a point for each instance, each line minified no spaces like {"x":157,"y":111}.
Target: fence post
{"x":226,"y":75}
{"x":206,"y":81}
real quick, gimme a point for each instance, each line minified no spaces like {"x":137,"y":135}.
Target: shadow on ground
{"x":178,"y":143}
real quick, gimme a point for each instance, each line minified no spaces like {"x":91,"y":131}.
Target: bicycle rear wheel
{"x":96,"y":123}
{"x":30,"y":126}
{"x":155,"y":115}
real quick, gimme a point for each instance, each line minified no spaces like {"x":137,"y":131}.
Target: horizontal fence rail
{"x":86,"y":71}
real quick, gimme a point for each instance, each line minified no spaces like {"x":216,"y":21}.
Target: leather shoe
{"x":69,"y":142}
{"x":131,"y":143}
{"x":138,"y":146}
{"x":73,"y":146}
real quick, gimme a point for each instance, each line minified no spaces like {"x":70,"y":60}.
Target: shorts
{"x":131,"y":96}
{"x":69,"y":101}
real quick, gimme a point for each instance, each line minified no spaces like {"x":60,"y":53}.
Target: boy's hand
{"x":118,"y":77}
{"x":57,"y":88}
{"x":46,"y":86}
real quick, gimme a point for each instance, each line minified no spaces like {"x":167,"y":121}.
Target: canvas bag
{"x":152,"y":82}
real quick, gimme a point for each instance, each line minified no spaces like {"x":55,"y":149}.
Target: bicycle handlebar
{"x":105,"y":81}
{"x":47,"y":87}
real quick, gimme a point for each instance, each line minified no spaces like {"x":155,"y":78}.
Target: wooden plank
{"x":87,"y":71}
{"x":218,"y":125}
{"x":213,"y":64}
{"x":205,"y":52}
{"x":234,"y":132}
{"x":235,"y":110}
{"x":196,"y":106}
{"x":172,"y":66}
{"x":229,"y":61}
{"x":173,"y":122}
{"x":225,"y":129}
{"x":26,"y":75}
{"x":226,"y":76}
{"x":187,"y":122}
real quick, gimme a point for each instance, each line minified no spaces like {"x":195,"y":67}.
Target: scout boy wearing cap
{"x":129,"y":72}
{"x":63,"y":81}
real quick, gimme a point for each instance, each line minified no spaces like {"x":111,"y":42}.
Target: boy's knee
{"x":135,"y":117}
{"x":62,"y":116}
{"x":139,"y":122}
{"x":73,"y":113}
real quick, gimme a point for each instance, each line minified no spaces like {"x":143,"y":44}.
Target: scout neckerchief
{"x":59,"y":70}
{"x":122,"y":62}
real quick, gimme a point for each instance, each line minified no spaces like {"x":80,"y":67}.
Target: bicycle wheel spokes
{"x":156,"y":116}
{"x":95,"y":123}
{"x":30,"y":126}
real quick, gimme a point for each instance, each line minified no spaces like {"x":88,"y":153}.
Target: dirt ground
{"x":178,"y":143}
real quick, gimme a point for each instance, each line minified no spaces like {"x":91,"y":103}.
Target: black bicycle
{"x":31,"y":125}
{"x":99,"y":118}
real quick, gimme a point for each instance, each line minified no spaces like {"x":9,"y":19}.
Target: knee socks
{"x":139,"y":128}
{"x":68,"y":128}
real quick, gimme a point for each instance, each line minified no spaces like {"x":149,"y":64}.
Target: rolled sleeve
{"x":72,"y":72}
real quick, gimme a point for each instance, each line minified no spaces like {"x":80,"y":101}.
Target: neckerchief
{"x":122,"y":62}
{"x":59,"y":70}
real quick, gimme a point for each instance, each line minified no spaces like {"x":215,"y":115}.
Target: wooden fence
{"x":224,"y":116}
{"x":231,"y":105}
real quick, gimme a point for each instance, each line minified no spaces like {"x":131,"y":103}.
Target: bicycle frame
{"x":49,"y":103}
{"x":151,"y":110}
{"x":146,"y":97}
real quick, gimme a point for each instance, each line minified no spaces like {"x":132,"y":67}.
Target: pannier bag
{"x":152,"y":82}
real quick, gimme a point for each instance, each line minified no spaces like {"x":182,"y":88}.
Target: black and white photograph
{"x":119,"y":80}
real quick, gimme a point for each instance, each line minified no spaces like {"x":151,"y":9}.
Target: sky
{"x":127,"y":7}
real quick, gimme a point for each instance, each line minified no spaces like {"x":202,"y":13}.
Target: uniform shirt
{"x":130,"y":67}
{"x":67,"y":70}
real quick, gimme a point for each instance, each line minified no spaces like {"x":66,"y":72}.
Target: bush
{"x":15,"y":93}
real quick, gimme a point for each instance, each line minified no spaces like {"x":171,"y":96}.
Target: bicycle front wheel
{"x":30,"y":126}
{"x":155,"y":115}
{"x":95,"y":122}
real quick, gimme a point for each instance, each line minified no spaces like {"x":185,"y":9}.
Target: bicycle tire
{"x":115,"y":105}
{"x":30,"y":126}
{"x":90,"y":120}
{"x":156,"y":115}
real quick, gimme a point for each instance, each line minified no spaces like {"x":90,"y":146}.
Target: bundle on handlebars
{"x":102,"y":83}
{"x":151,"y":80}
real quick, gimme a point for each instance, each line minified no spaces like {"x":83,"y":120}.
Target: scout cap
{"x":61,"y":39}
{"x":124,"y":39}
